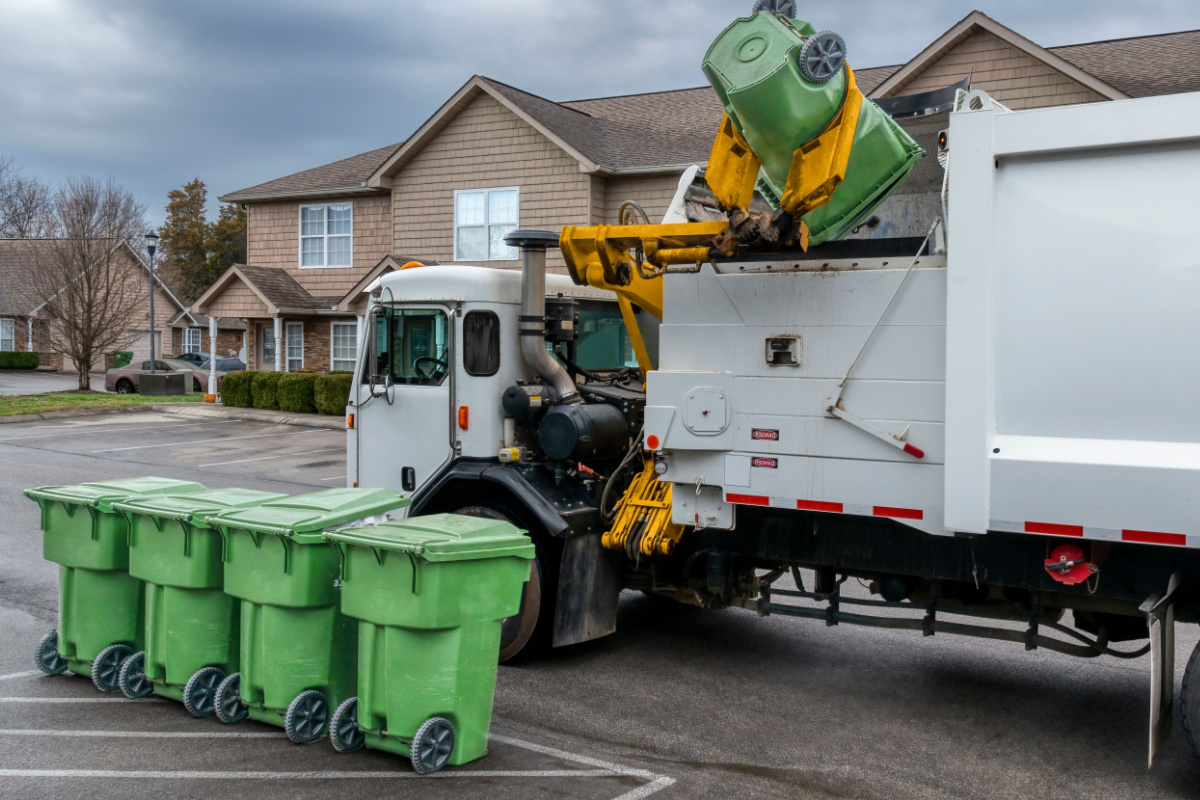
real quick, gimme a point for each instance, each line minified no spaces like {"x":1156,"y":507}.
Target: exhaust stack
{"x":532,"y":327}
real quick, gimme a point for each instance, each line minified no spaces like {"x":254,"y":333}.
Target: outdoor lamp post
{"x":151,"y":244}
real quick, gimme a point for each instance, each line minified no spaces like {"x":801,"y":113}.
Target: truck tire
{"x":531,"y":629}
{"x":1189,"y":701}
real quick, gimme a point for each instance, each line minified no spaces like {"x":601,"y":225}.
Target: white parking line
{"x":334,"y":478}
{"x":16,"y":675}
{"x":281,"y":455}
{"x":212,"y":441}
{"x":147,"y":734}
{"x":117,"y":429}
{"x":271,"y":775}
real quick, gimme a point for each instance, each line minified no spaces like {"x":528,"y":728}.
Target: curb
{"x":193,"y":410}
{"x":252,"y":415}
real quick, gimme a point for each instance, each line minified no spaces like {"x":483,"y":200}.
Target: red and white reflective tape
{"x":858,"y":509}
{"x":1100,"y":534}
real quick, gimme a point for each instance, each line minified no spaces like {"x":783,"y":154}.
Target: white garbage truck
{"x":996,"y":428}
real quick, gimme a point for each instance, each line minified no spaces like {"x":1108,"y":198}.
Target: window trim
{"x":287,"y":346}
{"x":300,"y":237}
{"x":486,"y":224}
{"x":357,"y":345}
{"x":12,"y":325}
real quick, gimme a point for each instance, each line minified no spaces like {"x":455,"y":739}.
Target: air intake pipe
{"x":532,"y":326}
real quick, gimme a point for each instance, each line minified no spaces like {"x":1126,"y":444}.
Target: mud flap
{"x":589,"y":584}
{"x":1160,"y":617}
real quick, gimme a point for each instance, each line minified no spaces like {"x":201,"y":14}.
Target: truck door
{"x":405,"y":430}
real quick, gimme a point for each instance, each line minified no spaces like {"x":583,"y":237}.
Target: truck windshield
{"x":411,"y":345}
{"x":603,"y":342}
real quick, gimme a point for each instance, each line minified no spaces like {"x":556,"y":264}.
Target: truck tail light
{"x":464,"y":417}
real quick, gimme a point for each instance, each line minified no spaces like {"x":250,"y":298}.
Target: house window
{"x":343,"y":346}
{"x":481,"y":220}
{"x":191,"y":340}
{"x":8,"y":336}
{"x":325,"y":233}
{"x":295,"y":346}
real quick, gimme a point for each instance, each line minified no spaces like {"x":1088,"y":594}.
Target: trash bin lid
{"x":102,"y":494}
{"x":441,"y":537}
{"x":303,"y":517}
{"x":198,"y":507}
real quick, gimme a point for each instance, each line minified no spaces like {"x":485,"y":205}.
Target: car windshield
{"x":178,"y":363}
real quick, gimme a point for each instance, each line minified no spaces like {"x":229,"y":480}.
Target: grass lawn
{"x":76,"y":401}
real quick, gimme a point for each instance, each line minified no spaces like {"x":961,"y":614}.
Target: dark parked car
{"x":125,"y":379}
{"x":223,"y":364}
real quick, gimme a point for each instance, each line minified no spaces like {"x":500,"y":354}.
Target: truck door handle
{"x":408,"y":479}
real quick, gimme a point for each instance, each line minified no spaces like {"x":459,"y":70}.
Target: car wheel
{"x":124,"y":386}
{"x":196,"y":386}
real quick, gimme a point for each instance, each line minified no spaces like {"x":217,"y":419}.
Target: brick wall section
{"x":652,"y":192}
{"x":485,"y":146}
{"x":273,"y":240}
{"x":1010,"y":76}
{"x":229,"y":342}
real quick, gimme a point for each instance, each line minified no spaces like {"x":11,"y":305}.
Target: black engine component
{"x":521,"y":401}
{"x":582,"y":432}
{"x":629,"y":401}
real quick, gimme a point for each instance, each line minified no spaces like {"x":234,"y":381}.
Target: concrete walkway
{"x":33,"y":382}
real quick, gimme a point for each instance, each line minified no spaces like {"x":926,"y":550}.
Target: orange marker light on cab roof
{"x":464,"y":417}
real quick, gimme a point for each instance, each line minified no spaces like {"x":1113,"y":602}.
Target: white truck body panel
{"x":1061,"y":331}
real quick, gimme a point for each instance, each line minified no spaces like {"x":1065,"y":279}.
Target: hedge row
{"x":294,"y":392}
{"x":20,"y":360}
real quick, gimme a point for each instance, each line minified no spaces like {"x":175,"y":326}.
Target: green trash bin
{"x":191,"y":625}
{"x":122,"y":358}
{"x":298,"y":653}
{"x":429,"y":594}
{"x":100,"y":608}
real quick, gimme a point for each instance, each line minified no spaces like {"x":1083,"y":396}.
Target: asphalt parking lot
{"x":678,"y":703}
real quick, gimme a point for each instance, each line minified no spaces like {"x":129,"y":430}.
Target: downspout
{"x":532,"y":325}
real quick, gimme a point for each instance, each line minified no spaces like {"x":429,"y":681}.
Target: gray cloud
{"x":238,"y":92}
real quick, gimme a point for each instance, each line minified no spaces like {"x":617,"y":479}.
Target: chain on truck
{"x":991,"y":423}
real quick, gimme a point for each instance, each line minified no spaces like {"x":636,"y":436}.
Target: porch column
{"x":212,"y":352}
{"x":29,"y":334}
{"x":278,"y":344}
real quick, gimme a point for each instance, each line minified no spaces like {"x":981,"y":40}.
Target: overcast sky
{"x":237,"y":92}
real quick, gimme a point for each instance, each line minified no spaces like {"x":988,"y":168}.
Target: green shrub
{"x":235,"y":389}
{"x":264,"y":389}
{"x":19,"y":360}
{"x":332,"y":392}
{"x":296,"y":391}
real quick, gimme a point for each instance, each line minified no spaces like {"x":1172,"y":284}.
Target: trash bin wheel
{"x":227,"y":702}
{"x":106,"y":669}
{"x":132,"y":677}
{"x":344,"y":734}
{"x":46,"y":657}
{"x":432,"y":745}
{"x":306,"y":717}
{"x":200,"y":691}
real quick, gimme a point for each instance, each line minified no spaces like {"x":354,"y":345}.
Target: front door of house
{"x":266,"y":347}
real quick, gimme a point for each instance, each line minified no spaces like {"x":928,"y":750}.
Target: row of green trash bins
{"x":315,"y":613}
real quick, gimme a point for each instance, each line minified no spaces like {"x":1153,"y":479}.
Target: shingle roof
{"x":281,"y":289}
{"x":665,"y":130}
{"x":349,"y":174}
{"x":1142,"y":66}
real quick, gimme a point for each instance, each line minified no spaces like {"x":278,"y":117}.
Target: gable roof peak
{"x":978,"y":21}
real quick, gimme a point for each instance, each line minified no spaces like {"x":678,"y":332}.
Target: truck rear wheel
{"x":530,"y":630}
{"x":1189,"y":701}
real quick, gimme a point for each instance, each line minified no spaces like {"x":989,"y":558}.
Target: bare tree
{"x":24,"y":203}
{"x":86,"y":271}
